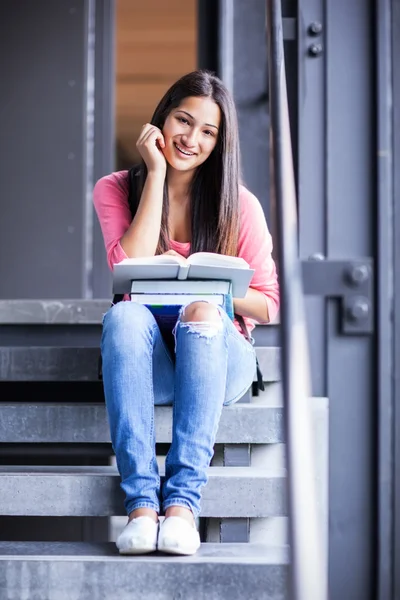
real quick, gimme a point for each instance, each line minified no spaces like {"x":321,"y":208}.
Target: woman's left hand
{"x":182,"y":260}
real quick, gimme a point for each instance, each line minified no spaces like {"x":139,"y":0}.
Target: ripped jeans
{"x":214,"y":365}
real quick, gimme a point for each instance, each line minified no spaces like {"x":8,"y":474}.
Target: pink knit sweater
{"x":110,"y":197}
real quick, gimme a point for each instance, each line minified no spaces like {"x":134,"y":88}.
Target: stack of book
{"x":164,"y":283}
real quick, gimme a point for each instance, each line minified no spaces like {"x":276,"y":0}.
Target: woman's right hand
{"x":150,"y":144}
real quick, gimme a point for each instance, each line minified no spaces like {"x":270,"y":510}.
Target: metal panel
{"x":336,"y":203}
{"x":42,"y":145}
{"x":351,"y":377}
{"x":104,"y":130}
{"x":312,"y":175}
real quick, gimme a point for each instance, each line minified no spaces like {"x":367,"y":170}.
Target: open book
{"x":199,"y":266}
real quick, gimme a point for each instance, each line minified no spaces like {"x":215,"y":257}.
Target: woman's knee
{"x":198,"y":312}
{"x":127,"y":317}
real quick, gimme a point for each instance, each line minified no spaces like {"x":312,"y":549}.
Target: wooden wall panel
{"x":156,"y":43}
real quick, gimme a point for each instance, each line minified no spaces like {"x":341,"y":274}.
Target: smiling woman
{"x":192,"y":145}
{"x":184,"y":197}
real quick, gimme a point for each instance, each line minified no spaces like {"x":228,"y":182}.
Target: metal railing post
{"x":308,"y":554}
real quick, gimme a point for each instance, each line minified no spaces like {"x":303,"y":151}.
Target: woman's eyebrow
{"x":191,"y":116}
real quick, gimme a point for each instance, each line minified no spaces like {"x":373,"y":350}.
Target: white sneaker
{"x":138,"y":537}
{"x":178,"y":536}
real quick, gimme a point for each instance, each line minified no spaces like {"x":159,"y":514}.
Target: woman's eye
{"x":183,"y":120}
{"x":208,"y":132}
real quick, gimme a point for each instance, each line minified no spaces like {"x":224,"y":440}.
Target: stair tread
{"x":261,"y":553}
{"x":263,"y":401}
{"x":109,"y":471}
{"x":92,"y":491}
{"x":24,"y":422}
{"x":56,"y":571}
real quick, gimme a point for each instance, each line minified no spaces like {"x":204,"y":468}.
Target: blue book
{"x":166,"y":307}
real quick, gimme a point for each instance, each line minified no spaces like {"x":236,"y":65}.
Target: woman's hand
{"x":253,"y":305}
{"x":150,"y":144}
{"x":179,"y":257}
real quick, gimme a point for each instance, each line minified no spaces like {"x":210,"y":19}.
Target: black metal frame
{"x":207,"y":35}
{"x":394,"y":514}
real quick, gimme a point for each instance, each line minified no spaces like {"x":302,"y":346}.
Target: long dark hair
{"x":214,"y":190}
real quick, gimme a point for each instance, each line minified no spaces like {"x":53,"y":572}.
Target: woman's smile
{"x":184,"y":153}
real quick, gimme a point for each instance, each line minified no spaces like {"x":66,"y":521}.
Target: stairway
{"x":49,"y":354}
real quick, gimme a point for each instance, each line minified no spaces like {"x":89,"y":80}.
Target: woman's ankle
{"x":143,"y":512}
{"x":180,"y":511}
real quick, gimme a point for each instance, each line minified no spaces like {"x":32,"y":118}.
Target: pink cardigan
{"x":110,"y":197}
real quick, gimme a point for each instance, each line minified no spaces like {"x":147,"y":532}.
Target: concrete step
{"x":74,"y":311}
{"x":55,"y":363}
{"x":62,"y":571}
{"x":95,"y":491}
{"x":87,"y":423}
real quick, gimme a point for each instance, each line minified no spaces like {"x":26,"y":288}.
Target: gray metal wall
{"x":337,"y":201}
{"x":47,"y":244}
{"x":56,"y":117}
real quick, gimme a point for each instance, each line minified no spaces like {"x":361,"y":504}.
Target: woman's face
{"x":191,"y":132}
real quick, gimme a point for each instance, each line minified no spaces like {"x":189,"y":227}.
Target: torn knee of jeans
{"x":201,"y":329}
{"x":206,"y":329}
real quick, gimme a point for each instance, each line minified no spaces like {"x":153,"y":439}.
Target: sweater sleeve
{"x":110,"y":199}
{"x":255,"y":246}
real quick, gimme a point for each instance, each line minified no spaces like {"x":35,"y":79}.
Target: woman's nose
{"x":189,"y":139}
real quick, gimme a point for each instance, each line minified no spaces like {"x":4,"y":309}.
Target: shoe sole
{"x":134,"y":551}
{"x":178,"y":551}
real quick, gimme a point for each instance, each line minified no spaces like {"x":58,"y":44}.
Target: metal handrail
{"x":308,"y":560}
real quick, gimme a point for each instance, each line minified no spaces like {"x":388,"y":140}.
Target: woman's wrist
{"x":157,"y":174}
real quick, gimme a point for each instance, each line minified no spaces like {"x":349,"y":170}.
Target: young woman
{"x":184,"y":197}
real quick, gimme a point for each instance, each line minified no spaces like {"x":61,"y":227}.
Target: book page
{"x":218,"y":260}
{"x":160,"y":259}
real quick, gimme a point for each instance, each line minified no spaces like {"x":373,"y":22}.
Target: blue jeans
{"x":213,"y":365}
